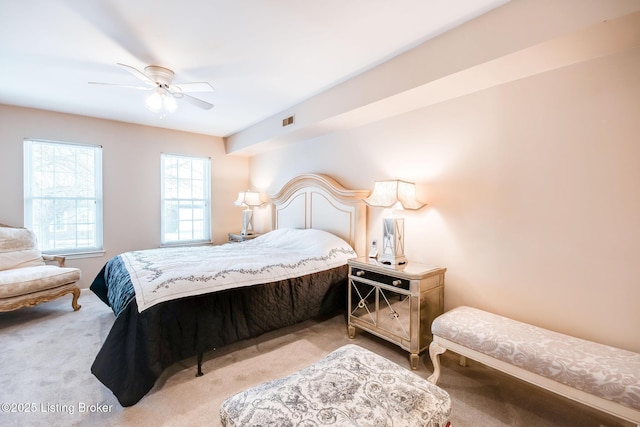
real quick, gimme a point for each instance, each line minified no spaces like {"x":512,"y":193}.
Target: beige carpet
{"x":47,"y":351}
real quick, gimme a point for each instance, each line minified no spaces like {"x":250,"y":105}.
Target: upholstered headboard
{"x":320,"y":202}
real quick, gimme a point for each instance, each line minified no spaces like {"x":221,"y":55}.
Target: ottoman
{"x":351,"y":386}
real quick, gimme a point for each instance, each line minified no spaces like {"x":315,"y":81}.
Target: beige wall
{"x":532,"y":188}
{"x":131,"y":176}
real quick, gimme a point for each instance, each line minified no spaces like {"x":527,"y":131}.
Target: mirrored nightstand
{"x":396,"y":303}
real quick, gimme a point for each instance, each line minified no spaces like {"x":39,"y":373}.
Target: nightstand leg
{"x":413,"y":360}
{"x":352,"y":331}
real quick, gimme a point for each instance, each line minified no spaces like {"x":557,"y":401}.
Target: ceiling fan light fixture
{"x":170,"y":103}
{"x":160,"y":101}
{"x":154,"y":102}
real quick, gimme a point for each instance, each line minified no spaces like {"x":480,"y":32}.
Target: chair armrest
{"x":58,"y":258}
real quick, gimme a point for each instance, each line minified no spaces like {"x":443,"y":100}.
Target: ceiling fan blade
{"x":139,"y":74}
{"x":124,"y":86}
{"x":195,"y":101}
{"x":192,"y":87}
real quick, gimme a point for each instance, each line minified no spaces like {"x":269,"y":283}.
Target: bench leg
{"x":463,"y":361}
{"x":435,"y":350}
{"x":74,"y":301}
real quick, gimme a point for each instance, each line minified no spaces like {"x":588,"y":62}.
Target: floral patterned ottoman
{"x":349,"y":387}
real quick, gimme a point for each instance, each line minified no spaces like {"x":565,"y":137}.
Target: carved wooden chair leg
{"x":74,"y":301}
{"x":435,"y":350}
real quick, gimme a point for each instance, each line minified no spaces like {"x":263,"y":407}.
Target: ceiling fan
{"x":159,"y":80}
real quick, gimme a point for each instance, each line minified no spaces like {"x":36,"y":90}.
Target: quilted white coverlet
{"x":164,"y":274}
{"x":351,"y":386}
{"x":601,"y":370}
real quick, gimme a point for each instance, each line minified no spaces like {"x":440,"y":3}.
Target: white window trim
{"x":83,"y":252}
{"x":207,"y":211}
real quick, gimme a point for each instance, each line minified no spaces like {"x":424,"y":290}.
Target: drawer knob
{"x":396,"y":282}
{"x":359,"y":273}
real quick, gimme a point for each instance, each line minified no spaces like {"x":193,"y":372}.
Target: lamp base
{"x":389,"y":259}
{"x":247,"y":222}
{"x":392,"y":242}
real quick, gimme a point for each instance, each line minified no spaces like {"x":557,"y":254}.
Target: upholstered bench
{"x":603,"y":377}
{"x":25,"y":277}
{"x":349,"y":387}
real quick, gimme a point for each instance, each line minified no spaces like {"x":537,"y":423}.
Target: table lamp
{"x":248,"y":200}
{"x":397,"y":195}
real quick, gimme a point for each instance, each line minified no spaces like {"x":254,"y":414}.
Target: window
{"x":63,"y":195}
{"x":186,"y":213}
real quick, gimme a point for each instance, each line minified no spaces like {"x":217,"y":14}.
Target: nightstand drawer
{"x":359,"y":273}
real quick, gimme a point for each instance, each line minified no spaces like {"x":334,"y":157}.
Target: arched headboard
{"x":320,"y":202}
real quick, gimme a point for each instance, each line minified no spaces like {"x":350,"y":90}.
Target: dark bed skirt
{"x":140,"y":346}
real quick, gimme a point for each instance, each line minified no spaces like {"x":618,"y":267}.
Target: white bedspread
{"x":164,"y":274}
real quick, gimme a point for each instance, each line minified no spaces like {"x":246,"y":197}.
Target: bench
{"x":25,"y":277}
{"x":597,"y":375}
{"x":351,"y":386}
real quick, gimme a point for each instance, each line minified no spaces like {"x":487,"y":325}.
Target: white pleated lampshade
{"x":394,"y":194}
{"x":248,"y":198}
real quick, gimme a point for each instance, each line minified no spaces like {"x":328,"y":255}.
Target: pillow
{"x":306,"y":241}
{"x":18,"y":248}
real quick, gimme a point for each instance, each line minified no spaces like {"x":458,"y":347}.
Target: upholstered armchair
{"x":27,"y":277}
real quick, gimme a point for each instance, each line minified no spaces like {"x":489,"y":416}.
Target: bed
{"x":170,"y":307}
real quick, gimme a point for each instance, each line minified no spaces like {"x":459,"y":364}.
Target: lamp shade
{"x":248,"y":198}
{"x":394,"y":194}
{"x":160,"y":101}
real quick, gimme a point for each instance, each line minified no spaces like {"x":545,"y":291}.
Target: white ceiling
{"x":262,"y":56}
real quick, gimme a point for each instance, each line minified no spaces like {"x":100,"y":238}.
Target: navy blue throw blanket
{"x":120,"y":292}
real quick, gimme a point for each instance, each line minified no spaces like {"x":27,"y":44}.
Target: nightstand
{"x":396,"y":303}
{"x":237,"y":237}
